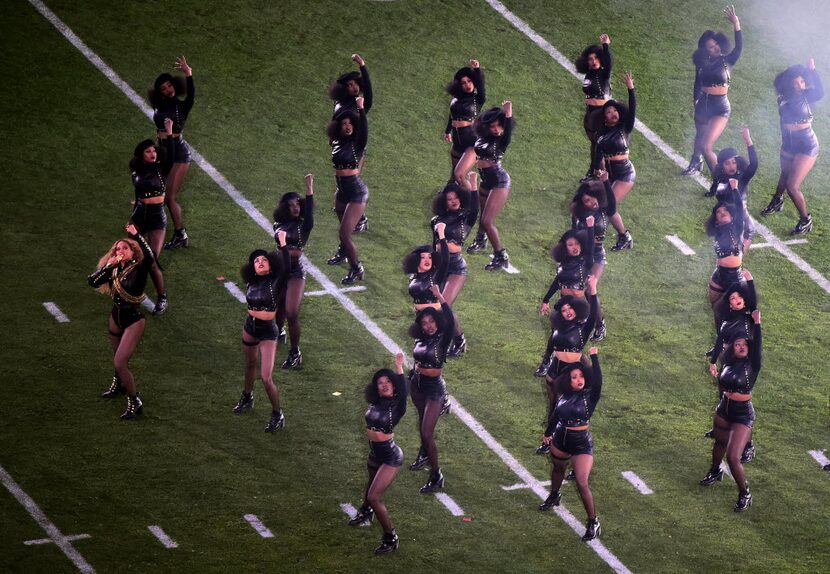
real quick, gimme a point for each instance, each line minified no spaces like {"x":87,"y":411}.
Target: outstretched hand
{"x":358,"y":59}
{"x":730,"y":14}
{"x":181,"y":64}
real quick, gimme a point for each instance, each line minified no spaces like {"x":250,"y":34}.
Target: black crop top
{"x":797,"y":109}
{"x":615,"y":140}
{"x":431,"y":352}
{"x":175,"y":109}
{"x":420,"y":284}
{"x":297,"y":230}
{"x":467,"y":107}
{"x":571,"y":336}
{"x":736,"y":324}
{"x":716,"y":71}
{"x":388,"y":411}
{"x":597,"y":83}
{"x":576,"y":408}
{"x":458,"y":223}
{"x":349,"y":103}
{"x":150,"y":179}
{"x":492,"y":148}
{"x":729,"y":237}
{"x":346,"y":153}
{"x":573,"y":272}
{"x":263,"y":292}
{"x":601,"y":215}
{"x":739,"y":375}
{"x":720,"y":184}
{"x":126,"y":282}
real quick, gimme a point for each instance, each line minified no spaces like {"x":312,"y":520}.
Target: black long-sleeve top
{"x":420,"y":284}
{"x":739,"y":375}
{"x":458,"y":223}
{"x":263,"y":293}
{"x":350,"y":102}
{"x":175,"y":109}
{"x":597,"y":83}
{"x":431,"y":352}
{"x":602,"y":215}
{"x":126,"y":279}
{"x":297,"y":231}
{"x":575,"y":409}
{"x":615,"y":140}
{"x":150,"y":179}
{"x":736,"y":324}
{"x":716,"y":71}
{"x":720,"y":184}
{"x":346,"y":153}
{"x":492,"y":148}
{"x":573,"y":272}
{"x":797,"y":108}
{"x":388,"y":411}
{"x":571,"y":336}
{"x":467,"y":107}
{"x":729,"y":237}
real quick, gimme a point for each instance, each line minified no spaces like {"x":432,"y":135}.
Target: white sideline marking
{"x":347,"y":303}
{"x":350,"y":510}
{"x":726,"y":470}
{"x":680,"y":244}
{"x":55,"y":312}
{"x":162,"y":536}
{"x":451,"y":505}
{"x":234,"y":290}
{"x":55,"y":535}
{"x":787,"y":242}
{"x":149,"y":305}
{"x":257,"y":525}
{"x":71,"y":538}
{"x":520,"y":485}
{"x":637,"y":482}
{"x":819,"y":457}
{"x":342,"y":290}
{"x":762,"y":229}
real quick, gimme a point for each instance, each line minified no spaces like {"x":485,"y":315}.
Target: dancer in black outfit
{"x":386,"y":395}
{"x":150,"y":167}
{"x":735,"y":414}
{"x":164,"y":97}
{"x":726,"y":226}
{"x":798,"y":88}
{"x":427,"y":267}
{"x":344,"y":93}
{"x":595,"y":199}
{"x":264,"y":275}
{"x":570,"y":439}
{"x":713,"y":66}
{"x":574,"y":254}
{"x":595,"y":62}
{"x":731,"y":165}
{"x":468,"y":97}
{"x":122,"y":273}
{"x":432,"y":331}
{"x":494,"y":129}
{"x":294,"y":215}
{"x":348,"y":135}
{"x":457,"y":210}
{"x":612,"y":151}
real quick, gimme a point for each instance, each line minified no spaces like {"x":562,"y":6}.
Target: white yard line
{"x":55,"y":535}
{"x":235,"y":291}
{"x":787,"y":242}
{"x":760,"y":228}
{"x":55,"y":311}
{"x":162,"y":536}
{"x":819,"y":457}
{"x":680,"y":244}
{"x":637,"y":482}
{"x":342,"y":290}
{"x":149,"y":305}
{"x":350,"y":510}
{"x":71,"y":538}
{"x":522,"y":485}
{"x":257,"y":525}
{"x":451,"y":505}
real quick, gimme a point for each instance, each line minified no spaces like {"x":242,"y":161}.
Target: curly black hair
{"x":415,"y":330}
{"x":581,"y":63}
{"x":282,"y":213}
{"x":333,"y":130}
{"x":137,"y":161}
{"x":154,"y":95}
{"x":371,"y":390}
{"x":559,"y":251}
{"x":247,"y":271}
{"x":439,"y":202}
{"x":580,"y":306}
{"x":783,"y":82}
{"x":711,"y":225}
{"x":701,"y":55}
{"x":562,"y":383}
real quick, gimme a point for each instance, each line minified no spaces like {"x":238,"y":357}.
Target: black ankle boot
{"x":479,"y":243}
{"x":695,"y":165}
{"x":338,"y":257}
{"x":294,"y":359}
{"x":161,"y":304}
{"x":420,"y":461}
{"x":804,"y":225}
{"x":592,"y":530}
{"x":543,"y":367}
{"x":179,"y":239}
{"x":714,"y":475}
{"x":744,"y":501}
{"x":552,"y":500}
{"x":458,"y":346}
{"x":115,"y":388}
{"x":775,"y":205}
{"x":446,"y":406}
{"x":388,"y":543}
{"x":361,"y":225}
{"x":435,"y":482}
{"x":277,"y":422}
{"x":134,"y":408}
{"x":499,"y":261}
{"x":246,"y":403}
{"x":363,"y":517}
{"x":624,"y":241}
{"x":355,"y":274}
{"x":543,"y":449}
{"x":748,"y":455}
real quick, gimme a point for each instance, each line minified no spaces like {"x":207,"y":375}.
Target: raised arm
{"x":478,"y":80}
{"x":750,"y":170}
{"x":632,"y":102}
{"x":308,"y":212}
{"x":596,"y":384}
{"x":368,"y":95}
{"x":606,"y":60}
{"x":729,"y":14}
{"x":757,"y":345}
{"x":507,"y":136}
{"x":190,"y":96}
{"x":363,"y":127}
{"x":815,"y":89}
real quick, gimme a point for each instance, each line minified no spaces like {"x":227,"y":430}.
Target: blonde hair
{"x":138,"y":255}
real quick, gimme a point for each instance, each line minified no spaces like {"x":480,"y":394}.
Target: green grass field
{"x":261,"y":71}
